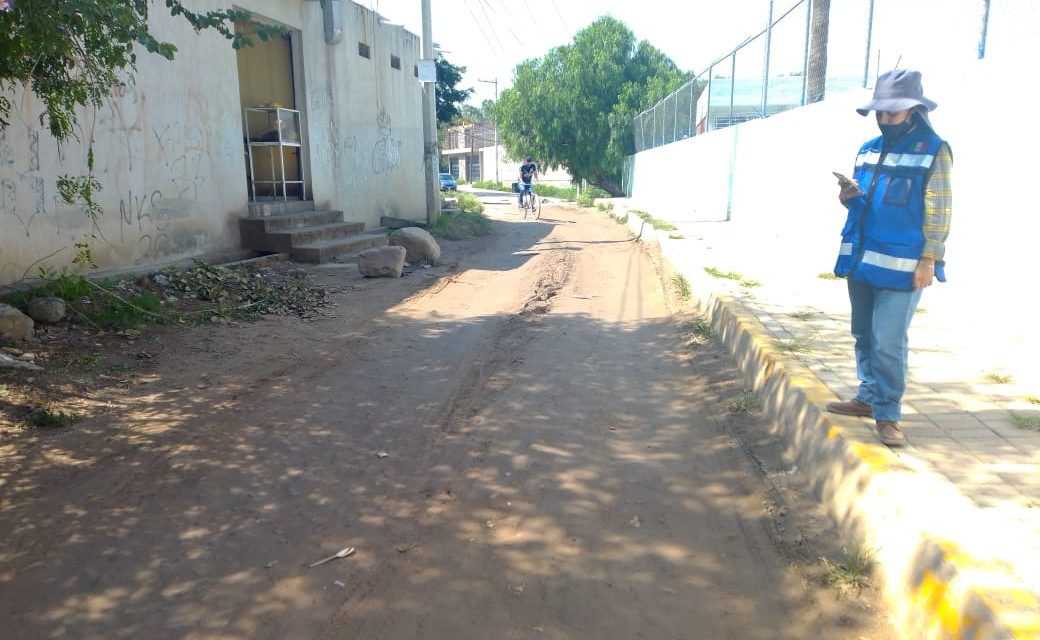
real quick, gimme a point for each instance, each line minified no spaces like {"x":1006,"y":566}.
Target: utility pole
{"x":429,"y":107}
{"x":495,"y":82}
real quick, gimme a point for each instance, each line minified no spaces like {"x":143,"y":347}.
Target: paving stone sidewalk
{"x":970,"y":411}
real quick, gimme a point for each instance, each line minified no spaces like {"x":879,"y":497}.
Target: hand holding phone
{"x":849,"y":188}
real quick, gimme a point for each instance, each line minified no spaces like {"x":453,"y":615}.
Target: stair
{"x":306,"y":234}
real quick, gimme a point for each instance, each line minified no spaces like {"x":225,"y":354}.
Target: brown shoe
{"x":851,"y":408}
{"x":889,"y":433}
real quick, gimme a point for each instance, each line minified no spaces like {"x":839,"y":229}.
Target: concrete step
{"x":252,"y":227}
{"x":287,"y":239}
{"x":327,"y":250}
{"x":264,"y":208}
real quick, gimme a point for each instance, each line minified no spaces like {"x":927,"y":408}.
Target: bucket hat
{"x":897,"y":90}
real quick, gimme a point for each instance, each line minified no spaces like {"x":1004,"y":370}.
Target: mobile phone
{"x":842,"y":178}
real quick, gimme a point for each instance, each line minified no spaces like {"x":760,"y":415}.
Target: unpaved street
{"x":524,"y":445}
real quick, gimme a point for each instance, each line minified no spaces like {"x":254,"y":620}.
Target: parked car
{"x":448,"y":182}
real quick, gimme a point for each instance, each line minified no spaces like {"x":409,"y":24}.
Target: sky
{"x":490,"y":37}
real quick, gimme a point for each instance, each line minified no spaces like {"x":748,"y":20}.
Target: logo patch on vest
{"x":920,"y":146}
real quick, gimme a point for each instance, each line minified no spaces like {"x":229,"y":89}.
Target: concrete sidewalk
{"x":954,"y":517}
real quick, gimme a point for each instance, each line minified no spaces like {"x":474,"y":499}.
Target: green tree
{"x":449,"y":96}
{"x":574,"y":107}
{"x":473,"y":113}
{"x":70,"y":53}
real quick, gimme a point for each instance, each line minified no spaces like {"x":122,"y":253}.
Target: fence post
{"x":765,"y":68}
{"x":805,"y":55}
{"x":985,"y":27}
{"x":870,"y":32}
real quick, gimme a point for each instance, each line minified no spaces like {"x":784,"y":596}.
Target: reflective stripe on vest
{"x":883,"y":239}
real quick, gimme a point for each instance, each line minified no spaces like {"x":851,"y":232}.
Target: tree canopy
{"x":70,"y":52}
{"x":449,"y":96}
{"x":574,"y":107}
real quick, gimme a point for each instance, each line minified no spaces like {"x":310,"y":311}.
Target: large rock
{"x":49,"y":309}
{"x":382,"y":262}
{"x":15,"y":325}
{"x":419,"y":244}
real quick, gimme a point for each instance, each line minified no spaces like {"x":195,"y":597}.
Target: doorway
{"x":272,"y":125}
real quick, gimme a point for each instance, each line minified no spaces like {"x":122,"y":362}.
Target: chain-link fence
{"x":800,"y":58}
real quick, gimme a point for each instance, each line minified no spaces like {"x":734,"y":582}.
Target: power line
{"x":563,"y":21}
{"x":491,"y":24}
{"x":476,"y":23}
{"x":508,"y":21}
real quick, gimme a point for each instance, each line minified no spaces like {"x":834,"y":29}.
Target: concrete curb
{"x":940,"y":575}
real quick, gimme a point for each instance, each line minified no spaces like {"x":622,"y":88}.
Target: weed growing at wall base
{"x":851,"y":572}
{"x":461,"y":225}
{"x":682,"y":286}
{"x":1030,"y":422}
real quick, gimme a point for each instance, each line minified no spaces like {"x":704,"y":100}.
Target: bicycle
{"x":530,"y":203}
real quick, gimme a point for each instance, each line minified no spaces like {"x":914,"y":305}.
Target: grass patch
{"x":999,"y":378}
{"x":605,"y":207}
{"x":920,"y":311}
{"x":850,"y":573}
{"x":701,"y":328}
{"x":744,"y":403}
{"x":682,"y":286}
{"x":563,"y":193}
{"x":103,"y":304}
{"x":750,"y":284}
{"x":1023,"y":421}
{"x":660,"y":225}
{"x":793,"y":346}
{"x":585,"y":199}
{"x":622,"y":219}
{"x":491,"y":185}
{"x":803,"y":315}
{"x":46,"y":417}
{"x":676,"y":236}
{"x":1033,"y":399}
{"x":724,"y":275}
{"x":469,"y":203}
{"x":827,"y":275}
{"x":461,"y":225}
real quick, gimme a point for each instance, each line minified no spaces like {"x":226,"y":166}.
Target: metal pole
{"x":429,"y":106}
{"x":495,"y":82}
{"x":732,"y":87}
{"x":985,"y":27}
{"x":805,"y":59}
{"x":866,"y":56}
{"x":765,"y":70}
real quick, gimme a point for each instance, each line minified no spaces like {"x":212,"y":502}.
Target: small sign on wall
{"x":427,"y":69}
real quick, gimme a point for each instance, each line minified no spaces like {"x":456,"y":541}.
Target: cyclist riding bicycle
{"x":528,"y":172}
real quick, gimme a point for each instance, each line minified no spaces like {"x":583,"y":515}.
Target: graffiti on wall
{"x":386,"y":153}
{"x":162,"y":168}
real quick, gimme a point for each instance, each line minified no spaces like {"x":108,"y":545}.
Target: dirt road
{"x":526,"y":445}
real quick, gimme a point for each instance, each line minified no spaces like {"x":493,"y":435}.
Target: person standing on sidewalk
{"x":893,"y":244}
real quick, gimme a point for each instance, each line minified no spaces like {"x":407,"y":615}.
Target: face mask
{"x":894,"y":131}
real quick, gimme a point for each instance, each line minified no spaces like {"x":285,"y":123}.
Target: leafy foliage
{"x":70,"y":53}
{"x":449,"y":96}
{"x":574,"y":107}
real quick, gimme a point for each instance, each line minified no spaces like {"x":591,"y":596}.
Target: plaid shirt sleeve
{"x":938,"y":205}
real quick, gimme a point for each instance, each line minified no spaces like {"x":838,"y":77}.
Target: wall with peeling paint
{"x":169,"y":147}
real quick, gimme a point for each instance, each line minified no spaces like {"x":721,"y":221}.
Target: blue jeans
{"x":880,"y":320}
{"x":525,"y":187}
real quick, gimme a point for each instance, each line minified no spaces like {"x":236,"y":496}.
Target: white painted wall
{"x":773,"y":176}
{"x":169,"y":150}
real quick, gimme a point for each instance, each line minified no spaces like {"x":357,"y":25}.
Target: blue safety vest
{"x":883,"y":236}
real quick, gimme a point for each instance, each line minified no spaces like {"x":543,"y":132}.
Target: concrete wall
{"x":773,"y":177}
{"x":169,"y":147}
